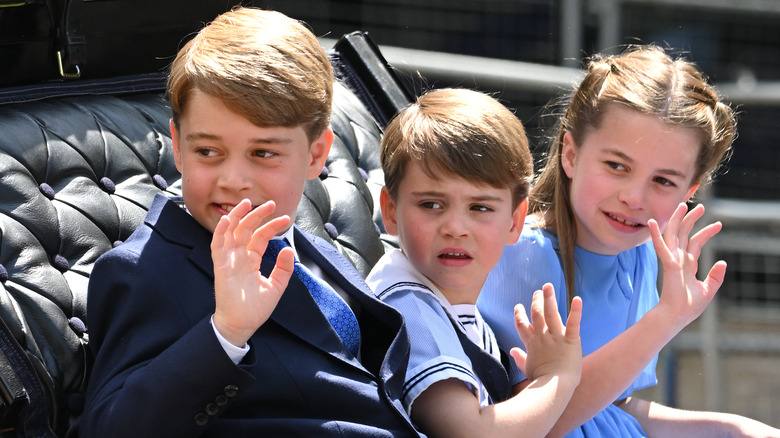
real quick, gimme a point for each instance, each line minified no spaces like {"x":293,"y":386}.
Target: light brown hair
{"x":462,"y":132}
{"x":262,"y":65}
{"x":646,"y":79}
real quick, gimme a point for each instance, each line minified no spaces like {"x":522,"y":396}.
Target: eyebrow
{"x":621,"y":155}
{"x":434,"y":194}
{"x":263,"y":140}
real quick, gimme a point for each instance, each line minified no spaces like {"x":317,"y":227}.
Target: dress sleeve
{"x":523,"y":269}
{"x":436,"y":353}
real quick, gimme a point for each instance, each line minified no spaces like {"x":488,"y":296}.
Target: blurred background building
{"x":527,"y":51}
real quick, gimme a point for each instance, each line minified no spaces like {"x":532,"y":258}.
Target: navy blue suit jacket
{"x":160,"y":370}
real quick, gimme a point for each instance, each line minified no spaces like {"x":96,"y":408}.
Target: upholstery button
{"x":221,"y":400}
{"x":61,"y":263}
{"x":117,"y":243}
{"x":231,"y":390}
{"x":324,"y":173}
{"x":108,"y":185}
{"x":363,"y":173}
{"x":331,"y":230}
{"x":3,"y":274}
{"x":47,"y":191}
{"x":77,"y":325}
{"x":160,"y":182}
{"x":201,"y":419}
{"x":212,"y":409}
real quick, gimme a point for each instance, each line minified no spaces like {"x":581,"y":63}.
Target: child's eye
{"x":206,"y":152}
{"x":665,"y":182}
{"x":481,"y":208}
{"x":430,"y":205}
{"x":615,"y":165}
{"x":264,"y":153}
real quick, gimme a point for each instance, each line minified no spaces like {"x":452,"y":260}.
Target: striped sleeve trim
{"x":425,"y":375}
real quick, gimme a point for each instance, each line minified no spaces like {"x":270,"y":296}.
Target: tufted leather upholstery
{"x":77,"y":174}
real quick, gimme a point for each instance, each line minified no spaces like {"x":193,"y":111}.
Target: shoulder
{"x":320,"y":250}
{"x":535,"y":253}
{"x":394,"y":272}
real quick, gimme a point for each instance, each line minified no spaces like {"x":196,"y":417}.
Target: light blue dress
{"x":616,"y":292}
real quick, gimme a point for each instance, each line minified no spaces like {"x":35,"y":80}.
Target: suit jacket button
{"x":231,"y":390}
{"x":221,"y":400}
{"x":201,"y":419}
{"x":212,"y":409}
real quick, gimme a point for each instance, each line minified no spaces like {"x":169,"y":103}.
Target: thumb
{"x":520,"y":358}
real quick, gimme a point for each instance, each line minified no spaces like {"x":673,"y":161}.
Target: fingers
{"x":699,"y":239}
{"x":242,"y":226}
{"x":551,"y":315}
{"x":283,"y":270}
{"x":689,"y":220}
{"x":537,"y":312}
{"x":220,"y":236}
{"x":545,"y":316}
{"x":248,"y":219}
{"x":264,"y":233}
{"x":658,"y":240}
{"x":715,"y":277}
{"x":573,"y":321}
{"x":520,"y":358}
{"x":523,"y":326}
{"x":671,"y":232}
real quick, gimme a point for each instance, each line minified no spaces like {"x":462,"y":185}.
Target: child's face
{"x":631,"y":169}
{"x":452,"y":230}
{"x":224,"y":158}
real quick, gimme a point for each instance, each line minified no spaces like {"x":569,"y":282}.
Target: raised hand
{"x":245,"y":298}
{"x":682,"y":294}
{"x":551,"y":347}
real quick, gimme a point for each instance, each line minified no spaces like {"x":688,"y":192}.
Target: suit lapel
{"x":173,"y":223}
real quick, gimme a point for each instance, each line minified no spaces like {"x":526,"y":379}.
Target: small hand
{"x":682,"y":294}
{"x":551,"y":347}
{"x":245,"y":298}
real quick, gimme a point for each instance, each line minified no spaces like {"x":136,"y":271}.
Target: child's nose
{"x":234,"y":176}
{"x":633,"y":194}
{"x":454,"y":224}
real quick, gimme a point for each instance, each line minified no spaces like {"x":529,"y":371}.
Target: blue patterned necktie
{"x":329,"y":301}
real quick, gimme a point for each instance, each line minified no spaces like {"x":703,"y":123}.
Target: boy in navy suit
{"x":195,"y":328}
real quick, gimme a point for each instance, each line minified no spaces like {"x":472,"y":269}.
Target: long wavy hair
{"x":646,"y":79}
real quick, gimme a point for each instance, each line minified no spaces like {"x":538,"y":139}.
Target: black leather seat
{"x":79,"y":165}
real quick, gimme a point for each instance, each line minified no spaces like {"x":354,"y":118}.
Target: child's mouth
{"x":227,"y":208}
{"x":454,"y":255}
{"x":624,"y":221}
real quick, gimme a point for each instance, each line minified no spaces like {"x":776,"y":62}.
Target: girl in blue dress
{"x":639,"y":136}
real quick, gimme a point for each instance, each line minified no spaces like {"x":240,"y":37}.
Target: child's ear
{"x":388,"y":212}
{"x":176,"y":146}
{"x":518,"y":219}
{"x":568,"y":154}
{"x":318,"y":153}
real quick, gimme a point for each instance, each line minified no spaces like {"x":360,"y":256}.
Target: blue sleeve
{"x":523,"y":269}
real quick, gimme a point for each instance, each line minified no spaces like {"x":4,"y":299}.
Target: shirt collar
{"x":288,"y":236}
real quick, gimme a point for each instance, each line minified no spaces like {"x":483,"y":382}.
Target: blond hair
{"x":461,"y":132}
{"x":262,"y":65}
{"x":645,"y":79}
